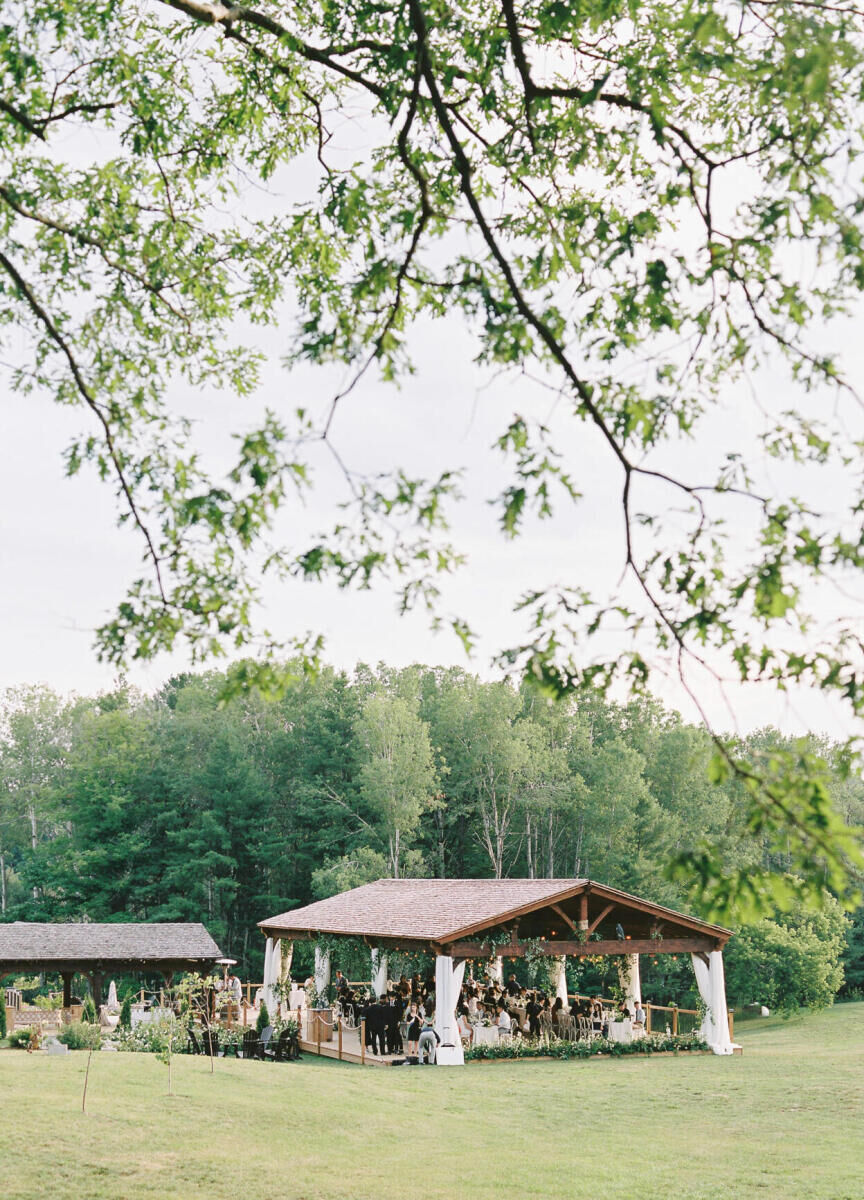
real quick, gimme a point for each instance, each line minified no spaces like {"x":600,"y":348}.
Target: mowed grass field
{"x":786,"y":1119}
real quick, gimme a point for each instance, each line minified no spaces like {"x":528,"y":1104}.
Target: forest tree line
{"x":181,"y":807}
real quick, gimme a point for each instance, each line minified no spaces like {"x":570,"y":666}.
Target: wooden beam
{"x":682,"y":945}
{"x":561,"y":913}
{"x":605,"y":913}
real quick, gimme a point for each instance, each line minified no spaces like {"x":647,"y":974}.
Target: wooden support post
{"x":363,"y":1041}
{"x":340,"y":1039}
{"x":318,"y":1031}
{"x":647,"y":1018}
{"x":675,"y":1021}
{"x":67,"y":989}
{"x":731,"y":1016}
{"x":583,"y":911}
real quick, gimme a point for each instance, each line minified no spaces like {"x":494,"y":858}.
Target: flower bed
{"x":560,"y":1049}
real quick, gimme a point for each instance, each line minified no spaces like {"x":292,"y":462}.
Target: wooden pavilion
{"x":460,"y":919}
{"x":96,"y":950}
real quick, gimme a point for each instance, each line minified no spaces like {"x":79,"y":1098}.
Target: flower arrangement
{"x":557,"y":1048}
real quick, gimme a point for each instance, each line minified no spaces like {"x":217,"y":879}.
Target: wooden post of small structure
{"x":731,"y":1016}
{"x":243,"y":1007}
{"x":318,"y":1030}
{"x":362,"y":1041}
{"x":675,"y":1021}
{"x":67,"y":989}
{"x":340,"y":1038}
{"x":647,"y":1018}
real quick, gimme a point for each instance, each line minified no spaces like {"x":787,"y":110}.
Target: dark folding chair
{"x":264,"y":1041}
{"x":250,"y":1043}
{"x":194,"y":1045}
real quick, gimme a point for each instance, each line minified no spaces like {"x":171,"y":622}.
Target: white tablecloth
{"x":621,"y":1031}
{"x":485,"y":1035}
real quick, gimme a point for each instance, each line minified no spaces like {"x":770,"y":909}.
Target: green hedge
{"x":557,"y":1048}
{"x":80,"y":1035}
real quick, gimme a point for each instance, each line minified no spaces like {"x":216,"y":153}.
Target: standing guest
{"x":376,"y":1027}
{"x":404,"y":986}
{"x":235,"y":989}
{"x":412,"y":1016}
{"x":532,"y":1011}
{"x":597,"y":1014}
{"x":512,"y":988}
{"x":428,"y":1041}
{"x":340,"y":983}
{"x":473,"y":1005}
{"x":392,"y":1032}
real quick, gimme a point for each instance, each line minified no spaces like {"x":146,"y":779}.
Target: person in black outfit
{"x":512,"y":987}
{"x":393,"y":1035}
{"x":376,"y":1027}
{"x":532,"y":1011}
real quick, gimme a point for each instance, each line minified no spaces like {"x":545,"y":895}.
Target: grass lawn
{"x":786,"y":1119}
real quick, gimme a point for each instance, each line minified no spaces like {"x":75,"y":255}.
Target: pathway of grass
{"x":784,"y":1120}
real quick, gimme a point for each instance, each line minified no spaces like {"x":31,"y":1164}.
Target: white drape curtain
{"x":379,"y":973}
{"x":560,"y":968}
{"x":448,"y":985}
{"x":322,"y":969}
{"x":711,"y":981}
{"x":272,"y":970}
{"x":629,"y":978}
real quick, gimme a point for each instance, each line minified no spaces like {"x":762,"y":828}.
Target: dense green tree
{"x":791,"y":962}
{"x":35,"y":732}
{"x":396,"y":773}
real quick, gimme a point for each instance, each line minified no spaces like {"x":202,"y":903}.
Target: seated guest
{"x":464,"y":1027}
{"x":558,"y":1010}
{"x":639,"y":1015}
{"x":503,"y":1021}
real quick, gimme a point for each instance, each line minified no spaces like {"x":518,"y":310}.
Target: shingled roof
{"x":441,"y":910}
{"x":35,"y":944}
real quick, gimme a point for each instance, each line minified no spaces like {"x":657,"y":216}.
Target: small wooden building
{"x":96,"y":950}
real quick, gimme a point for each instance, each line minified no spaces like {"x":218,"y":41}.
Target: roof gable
{"x":441,"y":910}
